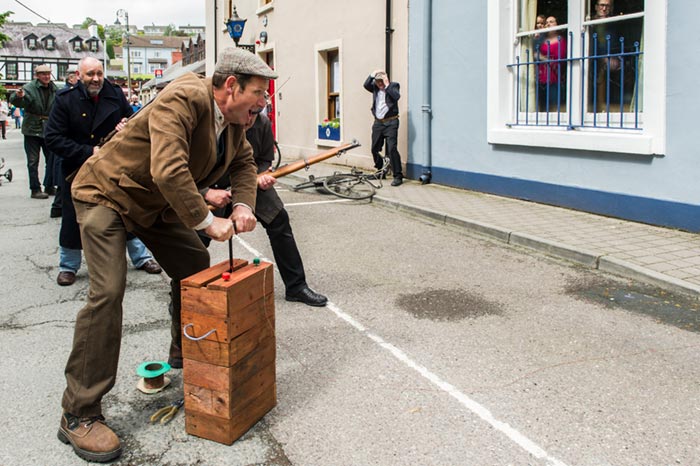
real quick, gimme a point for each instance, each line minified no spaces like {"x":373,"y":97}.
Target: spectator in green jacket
{"x":36,"y":97}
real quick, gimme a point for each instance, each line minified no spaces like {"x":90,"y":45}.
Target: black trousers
{"x":32,"y":147}
{"x":285,"y":251}
{"x":386,"y":132}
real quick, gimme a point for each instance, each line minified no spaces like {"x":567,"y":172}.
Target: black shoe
{"x":51,"y":191}
{"x":55,"y":212}
{"x":308,"y":296}
{"x":65,"y":278}
{"x":398,"y":181}
{"x":151,"y":266}
{"x":39,"y":195}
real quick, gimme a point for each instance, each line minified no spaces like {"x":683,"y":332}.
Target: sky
{"x":141,"y":12}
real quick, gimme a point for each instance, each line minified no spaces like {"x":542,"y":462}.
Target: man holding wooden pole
{"x":271,"y":214}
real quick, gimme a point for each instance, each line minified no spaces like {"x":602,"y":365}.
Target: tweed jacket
{"x":155,"y":167}
{"x":36,"y":112}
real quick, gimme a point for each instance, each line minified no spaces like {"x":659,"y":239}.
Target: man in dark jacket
{"x":271,"y":214}
{"x":81,"y":116}
{"x":36,"y":97}
{"x":385,"y":108}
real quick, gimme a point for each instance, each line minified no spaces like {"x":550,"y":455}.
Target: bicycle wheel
{"x":349,"y":186}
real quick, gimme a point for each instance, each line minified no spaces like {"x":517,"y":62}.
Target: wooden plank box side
{"x":227,"y":431}
{"x":201,"y":279}
{"x":222,"y":378}
{"x":226,"y":401}
{"x":230,"y":326}
{"x":225,"y":297}
{"x":228,"y":354}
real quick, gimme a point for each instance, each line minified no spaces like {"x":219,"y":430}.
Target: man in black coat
{"x":271,"y":214}
{"x":385,"y":109}
{"x":80,"y":117}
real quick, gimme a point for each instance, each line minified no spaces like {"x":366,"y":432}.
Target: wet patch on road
{"x":666,"y":307}
{"x":447,"y":305}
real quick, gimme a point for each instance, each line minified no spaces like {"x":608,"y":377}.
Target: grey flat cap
{"x":233,"y":60}
{"x":42,"y":69}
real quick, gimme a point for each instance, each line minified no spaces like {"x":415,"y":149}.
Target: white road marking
{"x":316,"y":202}
{"x":473,"y":406}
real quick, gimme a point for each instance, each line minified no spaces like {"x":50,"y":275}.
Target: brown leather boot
{"x":90,"y":437}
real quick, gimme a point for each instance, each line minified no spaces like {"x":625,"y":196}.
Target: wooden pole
{"x":299,"y":164}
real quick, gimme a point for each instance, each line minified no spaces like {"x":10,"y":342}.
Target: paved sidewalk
{"x":664,"y":257}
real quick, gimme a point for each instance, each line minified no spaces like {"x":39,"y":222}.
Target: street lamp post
{"x":125,"y":14}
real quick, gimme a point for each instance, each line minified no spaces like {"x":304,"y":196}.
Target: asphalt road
{"x":438,"y":348}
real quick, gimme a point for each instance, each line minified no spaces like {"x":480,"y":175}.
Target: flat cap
{"x":42,"y":69}
{"x":72,"y":69}
{"x":234,"y":60}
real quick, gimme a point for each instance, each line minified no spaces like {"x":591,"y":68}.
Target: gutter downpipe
{"x":426,"y":109}
{"x":388,"y":31}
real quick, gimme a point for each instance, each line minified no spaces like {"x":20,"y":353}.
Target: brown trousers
{"x":91,"y":370}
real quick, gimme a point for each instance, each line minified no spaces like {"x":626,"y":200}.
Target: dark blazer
{"x":262,"y":140}
{"x":155,"y":167}
{"x":268,"y":202}
{"x":393,"y":94}
{"x":77,"y":123}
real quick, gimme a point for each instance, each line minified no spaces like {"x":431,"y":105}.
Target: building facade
{"x":149,"y":53}
{"x":323,"y":52}
{"x":53,"y":44}
{"x":615,"y":140}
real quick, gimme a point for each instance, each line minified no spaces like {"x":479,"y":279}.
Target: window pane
{"x":615,"y":64}
{"x":533,"y":13}
{"x":334,"y":72}
{"x":598,"y":9}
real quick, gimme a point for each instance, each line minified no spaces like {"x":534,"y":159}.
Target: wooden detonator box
{"x":228,"y":349}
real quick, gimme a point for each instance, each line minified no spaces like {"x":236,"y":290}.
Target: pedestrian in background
{"x":385,"y":108}
{"x":17,"y":115}
{"x":36,"y":98}
{"x":81,"y":116}
{"x":4,"y":112}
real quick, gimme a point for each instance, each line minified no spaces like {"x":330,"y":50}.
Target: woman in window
{"x":550,"y":72}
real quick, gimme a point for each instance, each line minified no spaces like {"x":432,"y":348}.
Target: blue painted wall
{"x":658,"y":190}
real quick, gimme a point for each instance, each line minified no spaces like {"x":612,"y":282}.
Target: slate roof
{"x":17,"y":47}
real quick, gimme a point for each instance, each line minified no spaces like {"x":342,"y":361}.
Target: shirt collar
{"x":219,"y":121}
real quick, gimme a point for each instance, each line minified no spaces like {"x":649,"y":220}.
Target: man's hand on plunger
{"x":241,"y":220}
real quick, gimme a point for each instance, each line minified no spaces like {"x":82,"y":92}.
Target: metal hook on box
{"x":190,"y":337}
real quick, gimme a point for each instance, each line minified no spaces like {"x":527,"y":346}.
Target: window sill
{"x":265,"y":8}
{"x":622,"y":142}
{"x":327,"y":143}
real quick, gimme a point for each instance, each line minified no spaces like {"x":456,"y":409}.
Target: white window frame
{"x":502,"y":28}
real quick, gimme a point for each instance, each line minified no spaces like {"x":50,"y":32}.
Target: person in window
{"x":550,"y":72}
{"x":385,"y":108}
{"x":607,"y":69}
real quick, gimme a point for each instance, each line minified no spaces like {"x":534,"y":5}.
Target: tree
{"x":89,"y":22}
{"x":4,"y":38}
{"x":3,"y":19}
